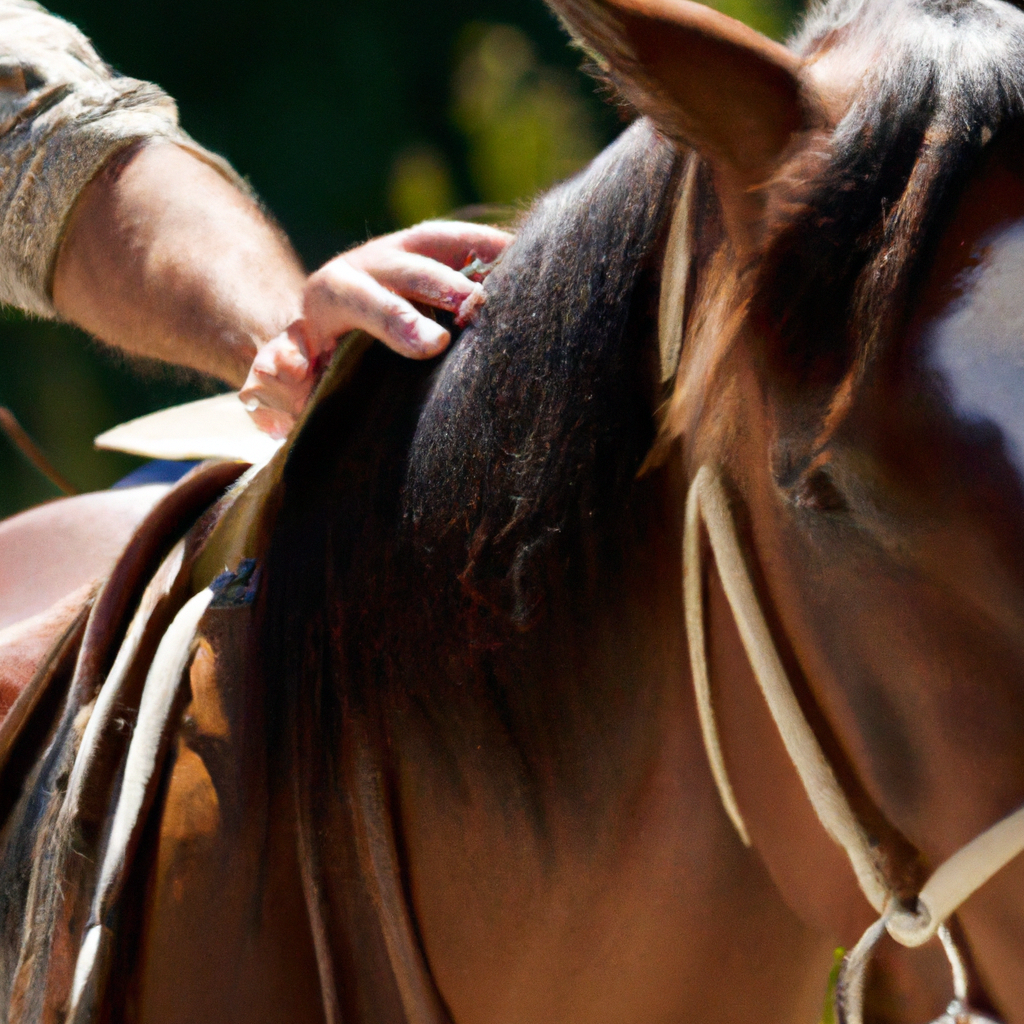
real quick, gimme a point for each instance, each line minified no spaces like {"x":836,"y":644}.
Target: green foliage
{"x":527,"y":125}
{"x":65,"y":390}
{"x":828,"y":1015}
{"x":422,"y":186}
{"x":773,"y":20}
{"x":350,"y":118}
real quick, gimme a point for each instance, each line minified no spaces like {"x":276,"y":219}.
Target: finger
{"x":281,"y":375}
{"x":277,"y":389}
{"x":273,"y":422}
{"x":468,"y":310}
{"x":285,"y":357}
{"x":263,"y":389}
{"x":421,"y":279}
{"x":455,"y":242}
{"x":340,"y":297}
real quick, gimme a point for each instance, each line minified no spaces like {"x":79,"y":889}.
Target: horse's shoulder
{"x":223,"y":889}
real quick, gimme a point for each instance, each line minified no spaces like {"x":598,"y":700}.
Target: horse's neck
{"x":573,"y":802}
{"x":516,"y":877}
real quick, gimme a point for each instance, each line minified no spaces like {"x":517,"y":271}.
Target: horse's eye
{"x":818,"y":493}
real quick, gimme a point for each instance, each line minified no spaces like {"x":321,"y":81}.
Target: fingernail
{"x":251,"y":404}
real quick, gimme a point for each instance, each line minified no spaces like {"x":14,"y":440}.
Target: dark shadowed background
{"x":350,"y":118}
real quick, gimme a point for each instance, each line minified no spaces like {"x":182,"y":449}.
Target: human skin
{"x":371,"y":288}
{"x":164,"y":258}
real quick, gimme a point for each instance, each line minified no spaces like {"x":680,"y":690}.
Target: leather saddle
{"x":135,"y":783}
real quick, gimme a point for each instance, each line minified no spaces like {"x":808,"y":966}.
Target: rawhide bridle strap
{"x":949,"y":887}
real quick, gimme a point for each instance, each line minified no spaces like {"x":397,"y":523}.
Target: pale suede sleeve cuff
{"x":63,"y":115}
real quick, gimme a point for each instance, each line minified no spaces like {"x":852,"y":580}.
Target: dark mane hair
{"x":521,"y":430}
{"x":430,"y":513}
{"x":855,"y":224}
{"x":446,"y":531}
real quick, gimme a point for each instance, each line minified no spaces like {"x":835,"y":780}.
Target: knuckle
{"x":398,"y":321}
{"x":330,"y":282}
{"x":265,"y":361}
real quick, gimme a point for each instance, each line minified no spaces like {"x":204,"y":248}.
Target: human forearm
{"x":114,"y":219}
{"x":163,"y":257}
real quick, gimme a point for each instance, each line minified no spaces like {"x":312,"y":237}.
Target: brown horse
{"x":440,"y":759}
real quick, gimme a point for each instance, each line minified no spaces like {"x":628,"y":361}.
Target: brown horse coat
{"x":447,"y":765}
{"x":248,"y":894}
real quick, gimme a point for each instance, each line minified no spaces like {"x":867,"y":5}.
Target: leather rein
{"x":954,"y":881}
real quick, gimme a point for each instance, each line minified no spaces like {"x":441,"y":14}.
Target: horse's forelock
{"x":854,"y":223}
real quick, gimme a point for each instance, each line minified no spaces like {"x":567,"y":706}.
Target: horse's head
{"x":853,"y":362}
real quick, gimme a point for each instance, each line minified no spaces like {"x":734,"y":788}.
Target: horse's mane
{"x":444,"y":528}
{"x":521,"y":414}
{"x":855,"y":222}
{"x":428,"y":511}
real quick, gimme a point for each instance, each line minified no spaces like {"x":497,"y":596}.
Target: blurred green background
{"x":350,"y":118}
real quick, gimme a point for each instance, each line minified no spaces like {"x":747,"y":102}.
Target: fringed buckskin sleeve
{"x":63,"y":114}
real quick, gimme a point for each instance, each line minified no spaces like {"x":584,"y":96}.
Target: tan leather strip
{"x":675,"y":273}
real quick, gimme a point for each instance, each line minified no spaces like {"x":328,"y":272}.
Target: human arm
{"x":166,"y":258}
{"x":112,"y":218}
{"x":64,"y":115}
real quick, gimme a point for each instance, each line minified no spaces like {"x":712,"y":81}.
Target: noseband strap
{"x":951,"y":885}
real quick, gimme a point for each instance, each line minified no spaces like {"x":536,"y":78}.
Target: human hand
{"x":371,"y":288}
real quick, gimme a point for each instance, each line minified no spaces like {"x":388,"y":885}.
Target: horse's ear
{"x":706,"y":80}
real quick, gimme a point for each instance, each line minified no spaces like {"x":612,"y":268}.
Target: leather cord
{"x":948,"y":888}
